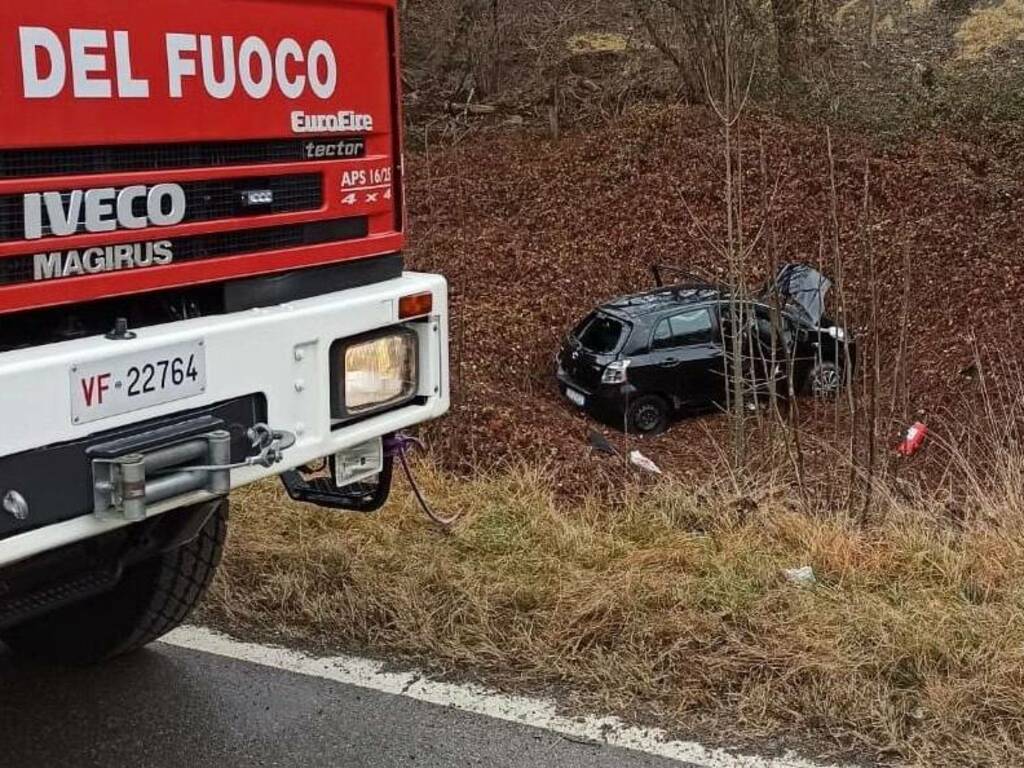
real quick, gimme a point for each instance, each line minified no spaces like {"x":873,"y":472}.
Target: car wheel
{"x":647,"y":415}
{"x":152,"y":598}
{"x":825,"y":380}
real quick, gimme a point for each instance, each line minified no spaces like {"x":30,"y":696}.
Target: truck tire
{"x":152,"y":598}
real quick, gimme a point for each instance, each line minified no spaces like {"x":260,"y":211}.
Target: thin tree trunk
{"x":788,"y":35}
{"x":873,"y":24}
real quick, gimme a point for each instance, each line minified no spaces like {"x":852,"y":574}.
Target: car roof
{"x":653,"y":304}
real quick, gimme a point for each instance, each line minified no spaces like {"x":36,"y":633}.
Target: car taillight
{"x":615,"y":373}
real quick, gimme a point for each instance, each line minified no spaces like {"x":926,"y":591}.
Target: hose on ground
{"x":401,"y":449}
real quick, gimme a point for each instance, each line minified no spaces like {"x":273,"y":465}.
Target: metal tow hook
{"x":271,"y":444}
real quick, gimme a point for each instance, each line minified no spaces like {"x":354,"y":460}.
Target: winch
{"x":153,"y":477}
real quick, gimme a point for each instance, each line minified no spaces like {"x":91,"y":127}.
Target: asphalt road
{"x":172,"y":708}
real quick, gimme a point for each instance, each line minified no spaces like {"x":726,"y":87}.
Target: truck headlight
{"x":374,"y":374}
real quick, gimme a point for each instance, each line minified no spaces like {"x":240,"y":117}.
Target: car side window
{"x":744,"y":321}
{"x":765,"y":329}
{"x":693,"y":327}
{"x":662,"y":336}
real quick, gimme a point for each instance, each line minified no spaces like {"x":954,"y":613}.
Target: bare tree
{"x":687,"y":33}
{"x":728,"y":104}
{"x":786,"y":15}
{"x":873,"y":24}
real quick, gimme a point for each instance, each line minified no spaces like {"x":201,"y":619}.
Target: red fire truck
{"x":201,"y":286}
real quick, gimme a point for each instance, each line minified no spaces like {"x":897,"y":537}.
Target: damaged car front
{"x":822,"y":353}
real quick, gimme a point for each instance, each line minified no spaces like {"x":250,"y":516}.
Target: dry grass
{"x":990,"y":28}
{"x":598,"y":42}
{"x":669,"y":605}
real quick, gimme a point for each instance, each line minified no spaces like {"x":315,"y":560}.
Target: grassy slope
{"x":669,"y":605}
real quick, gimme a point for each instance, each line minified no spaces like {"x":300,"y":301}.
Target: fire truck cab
{"x":201,"y":286}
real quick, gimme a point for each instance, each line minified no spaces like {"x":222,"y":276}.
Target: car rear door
{"x":594,"y":344}
{"x":683,"y":355}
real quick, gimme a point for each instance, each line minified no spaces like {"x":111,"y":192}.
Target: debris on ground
{"x":637,"y":459}
{"x":803,"y":577}
{"x":601,"y":444}
{"x":913,"y":440}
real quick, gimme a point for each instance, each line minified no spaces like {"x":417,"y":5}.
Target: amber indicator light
{"x":415,"y":306}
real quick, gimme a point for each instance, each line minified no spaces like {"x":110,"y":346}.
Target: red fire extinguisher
{"x":913,"y":439}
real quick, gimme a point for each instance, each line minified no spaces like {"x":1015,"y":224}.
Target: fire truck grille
{"x":204,"y":201}
{"x":22,"y":269}
{"x":73,"y":161}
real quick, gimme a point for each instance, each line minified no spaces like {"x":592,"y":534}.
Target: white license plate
{"x":127,"y":383}
{"x":577,"y":397}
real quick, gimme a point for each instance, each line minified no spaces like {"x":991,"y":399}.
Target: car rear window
{"x":601,"y":334}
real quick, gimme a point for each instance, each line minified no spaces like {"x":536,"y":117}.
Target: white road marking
{"x":536,"y":713}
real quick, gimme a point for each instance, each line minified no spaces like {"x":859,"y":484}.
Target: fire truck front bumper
{"x":98,"y":433}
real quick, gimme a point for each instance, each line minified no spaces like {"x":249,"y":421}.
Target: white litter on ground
{"x":803,"y":576}
{"x":637,"y":459}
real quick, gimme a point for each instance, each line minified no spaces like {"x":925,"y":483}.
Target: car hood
{"x":805,"y":287}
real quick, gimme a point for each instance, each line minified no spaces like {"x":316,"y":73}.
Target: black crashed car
{"x":641,"y":359}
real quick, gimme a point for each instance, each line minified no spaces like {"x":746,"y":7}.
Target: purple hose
{"x":397,"y":446}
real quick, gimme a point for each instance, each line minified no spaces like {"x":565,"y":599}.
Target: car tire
{"x":151,"y":598}
{"x":647,"y":415}
{"x":825,"y":380}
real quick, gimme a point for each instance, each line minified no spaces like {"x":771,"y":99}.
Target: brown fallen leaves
{"x":533,"y":233}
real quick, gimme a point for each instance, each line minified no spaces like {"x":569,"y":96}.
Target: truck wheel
{"x":647,"y":415}
{"x":152,"y":598}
